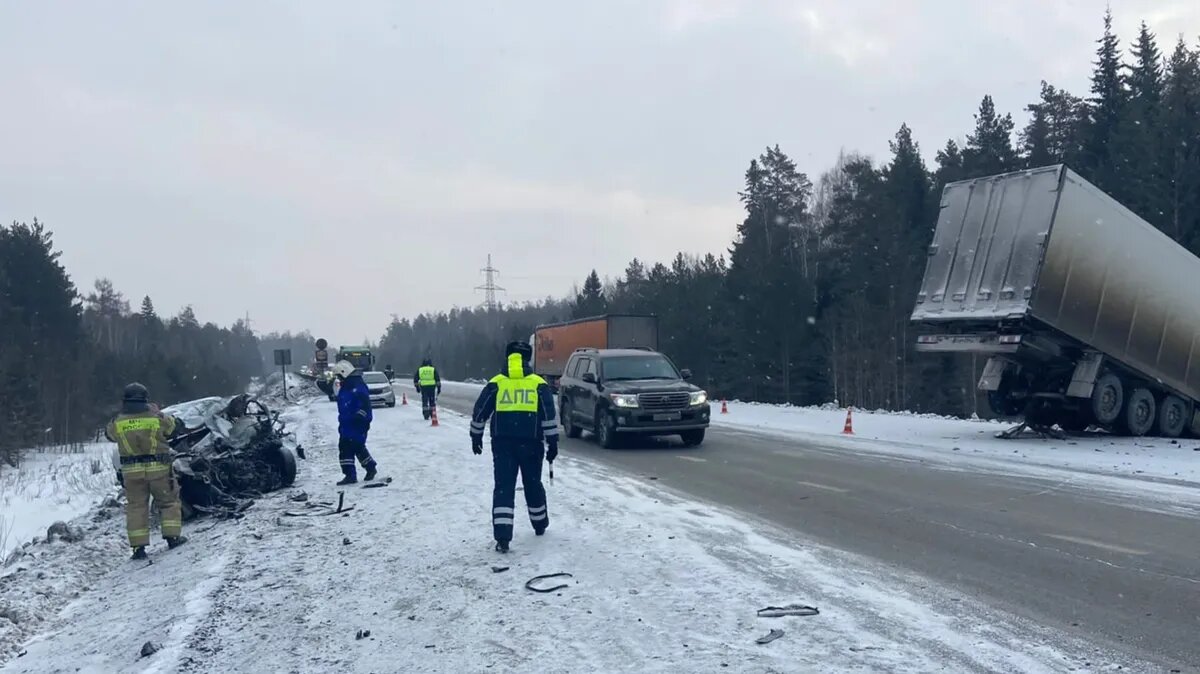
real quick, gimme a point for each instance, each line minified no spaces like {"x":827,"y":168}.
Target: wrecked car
{"x":227,"y":451}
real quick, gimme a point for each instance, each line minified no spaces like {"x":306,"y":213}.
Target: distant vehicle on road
{"x":630,"y":392}
{"x":554,"y":343}
{"x":380,"y":388}
{"x":359,"y":356}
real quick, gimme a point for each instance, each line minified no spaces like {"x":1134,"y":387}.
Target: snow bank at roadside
{"x":948,"y":439}
{"x":659,"y":583}
{"x":51,"y":486}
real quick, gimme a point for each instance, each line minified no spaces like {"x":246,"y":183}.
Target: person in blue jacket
{"x":354,"y":422}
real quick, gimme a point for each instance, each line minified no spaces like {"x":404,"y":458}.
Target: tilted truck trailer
{"x":554,"y":343}
{"x":1089,"y":315}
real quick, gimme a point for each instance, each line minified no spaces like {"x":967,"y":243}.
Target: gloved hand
{"x":477,"y":444}
{"x":552,"y":451}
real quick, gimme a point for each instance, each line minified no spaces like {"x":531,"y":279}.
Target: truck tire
{"x":286,"y":463}
{"x":1108,"y":399}
{"x":1139,"y":413}
{"x":606,"y":430}
{"x":1173,"y":417}
{"x":569,"y":426}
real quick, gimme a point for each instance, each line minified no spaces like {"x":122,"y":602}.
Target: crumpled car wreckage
{"x":227,"y":451}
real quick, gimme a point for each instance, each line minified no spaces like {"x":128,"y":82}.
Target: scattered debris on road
{"x":532,"y":583}
{"x":150,"y":648}
{"x":789,"y":610}
{"x":769,"y":637}
{"x":63,"y":532}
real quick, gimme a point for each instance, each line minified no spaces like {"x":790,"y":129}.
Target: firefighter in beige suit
{"x":141,"y":434}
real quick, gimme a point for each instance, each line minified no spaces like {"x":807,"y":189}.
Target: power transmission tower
{"x":489,"y":286}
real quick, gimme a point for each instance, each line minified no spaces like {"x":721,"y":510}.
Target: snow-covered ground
{"x":49,"y":486}
{"x":909,"y":434}
{"x":659,"y":583}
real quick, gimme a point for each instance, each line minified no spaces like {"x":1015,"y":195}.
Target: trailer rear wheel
{"x":1172,"y":417}
{"x":1108,"y":399}
{"x":1137,"y":418}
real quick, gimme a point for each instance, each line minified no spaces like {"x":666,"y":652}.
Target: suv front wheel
{"x":692,"y":438}
{"x":568,"y":422}
{"x":606,"y":430}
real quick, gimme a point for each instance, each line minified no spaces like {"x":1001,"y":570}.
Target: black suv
{"x":614,"y":392}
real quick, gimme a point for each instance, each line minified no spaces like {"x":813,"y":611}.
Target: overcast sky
{"x":324,"y":165}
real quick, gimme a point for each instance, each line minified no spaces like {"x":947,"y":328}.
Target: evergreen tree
{"x":950,"y":165}
{"x":147,"y":311}
{"x":1035,"y":137}
{"x":1138,"y":144}
{"x":989,"y":148}
{"x":1105,"y":109}
{"x":591,"y":301}
{"x":1180,"y":119}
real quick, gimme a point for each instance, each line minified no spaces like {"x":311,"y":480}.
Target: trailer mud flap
{"x":993,"y":373}
{"x":1083,"y":380}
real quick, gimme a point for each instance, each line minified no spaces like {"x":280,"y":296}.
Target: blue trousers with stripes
{"x":510,"y":457}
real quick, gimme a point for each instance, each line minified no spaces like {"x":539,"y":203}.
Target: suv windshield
{"x":375,"y":378}
{"x":638,"y":367}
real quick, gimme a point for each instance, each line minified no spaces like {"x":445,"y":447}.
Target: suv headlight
{"x":699,"y":397}
{"x":623,"y":400}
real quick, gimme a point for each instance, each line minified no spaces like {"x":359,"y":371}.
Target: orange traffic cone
{"x":848,"y":429}
{"x":433,"y":412}
{"x":403,"y":398}
{"x":724,"y":408}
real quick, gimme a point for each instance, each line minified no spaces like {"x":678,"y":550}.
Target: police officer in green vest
{"x":429,"y":386}
{"x":521,"y":407}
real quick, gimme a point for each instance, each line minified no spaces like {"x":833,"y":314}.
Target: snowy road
{"x":660,"y":584}
{"x":1110,"y":558}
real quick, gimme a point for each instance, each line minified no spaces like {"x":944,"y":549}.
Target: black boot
{"x":501,"y":546}
{"x":349,"y":479}
{"x":540,"y":531}
{"x":175,"y":541}
{"x":371,"y":472}
{"x":139,"y":552}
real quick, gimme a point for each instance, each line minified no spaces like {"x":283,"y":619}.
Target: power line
{"x":489,"y":286}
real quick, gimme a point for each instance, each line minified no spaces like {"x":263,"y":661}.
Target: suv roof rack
{"x":586,"y":348}
{"x":639,"y":348}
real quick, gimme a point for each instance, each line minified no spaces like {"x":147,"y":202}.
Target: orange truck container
{"x":553,"y":344}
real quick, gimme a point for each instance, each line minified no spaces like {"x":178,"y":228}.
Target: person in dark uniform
{"x":354,"y":423}
{"x":429,"y":385}
{"x":520,"y":405}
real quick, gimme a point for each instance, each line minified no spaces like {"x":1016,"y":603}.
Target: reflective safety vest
{"x":517,"y":395}
{"x":142,"y":441}
{"x":427,"y":375}
{"x":518,"y":407}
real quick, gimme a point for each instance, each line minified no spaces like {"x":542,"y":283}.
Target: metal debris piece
{"x":499,"y":569}
{"x":769,"y":637}
{"x":531,"y":584}
{"x":150,"y":648}
{"x":299,"y":497}
{"x":362,"y":634}
{"x":789,"y":610}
